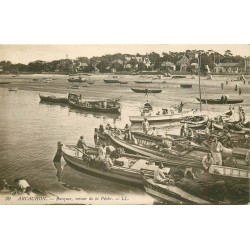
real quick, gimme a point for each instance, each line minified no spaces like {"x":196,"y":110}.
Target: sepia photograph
{"x":127,"y":124}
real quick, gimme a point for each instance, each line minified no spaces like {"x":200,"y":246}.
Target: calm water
{"x":29,"y":132}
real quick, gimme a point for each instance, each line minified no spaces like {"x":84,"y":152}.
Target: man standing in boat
{"x":216,"y":149}
{"x":207,"y":162}
{"x":81,"y":145}
{"x":145,"y":126}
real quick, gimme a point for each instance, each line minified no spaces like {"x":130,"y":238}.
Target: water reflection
{"x":53,"y":104}
{"x":85,"y":113}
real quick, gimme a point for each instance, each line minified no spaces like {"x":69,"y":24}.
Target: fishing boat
{"x":13,"y":89}
{"x":178,"y":77}
{"x":79,"y":79}
{"x":142,"y":90}
{"x":143,"y":81}
{"x":232,"y":174}
{"x":123,"y":82}
{"x":196,"y":121}
{"x":219,"y":101}
{"x":162,"y":118}
{"x":53,"y":99}
{"x":125,"y":169}
{"x":4,"y":83}
{"x":186,"y":85}
{"x":75,"y":87}
{"x":96,"y":106}
{"x":171,"y":194}
{"x":111,"y":80}
{"x":149,"y":149}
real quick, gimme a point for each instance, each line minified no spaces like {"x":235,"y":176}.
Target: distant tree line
{"x":122,"y":62}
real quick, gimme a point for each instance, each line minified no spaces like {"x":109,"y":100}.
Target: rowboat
{"x":178,"y":77}
{"x":196,"y":122}
{"x":141,"y":90}
{"x":53,"y":99}
{"x":123,"y":82}
{"x":111,"y":80}
{"x":232,"y":174}
{"x":36,"y":79}
{"x":162,"y":118}
{"x":143,"y":81}
{"x":219,"y":101}
{"x":13,"y":89}
{"x":79,"y":79}
{"x":186,"y":85}
{"x":75,"y":87}
{"x":147,"y":148}
{"x":234,"y":128}
{"x":4,"y":82}
{"x":96,"y":106}
{"x":125,"y":169}
{"x":171,"y":194}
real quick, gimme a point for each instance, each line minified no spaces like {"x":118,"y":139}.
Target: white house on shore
{"x":226,"y":67}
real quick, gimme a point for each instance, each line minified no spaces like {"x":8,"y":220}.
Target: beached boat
{"x":75,"y":87}
{"x":162,"y":118}
{"x":148,"y":148}
{"x":53,"y":99}
{"x":186,"y":85}
{"x":145,"y":90}
{"x":96,"y":106}
{"x":143,"y":81}
{"x":232,"y":174}
{"x":13,"y":89}
{"x":171,"y":194}
{"x":79,"y":79}
{"x":178,"y":77}
{"x":219,"y":101}
{"x":123,"y":82}
{"x":196,"y":121}
{"x":111,"y":80}
{"x":125,"y":169}
{"x":4,"y":82}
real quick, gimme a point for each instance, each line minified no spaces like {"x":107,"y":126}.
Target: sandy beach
{"x":171,"y":94}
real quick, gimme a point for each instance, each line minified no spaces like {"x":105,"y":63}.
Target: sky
{"x":28,"y":53}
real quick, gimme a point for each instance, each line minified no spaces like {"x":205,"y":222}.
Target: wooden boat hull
{"x":219,"y":101}
{"x":53,"y":99}
{"x":171,"y":194}
{"x":143,"y":82}
{"x":111,"y":81}
{"x":4,"y":83}
{"x":13,"y":89}
{"x":161,"y":118}
{"x":186,"y":86}
{"x":126,"y":175}
{"x":235,"y":175}
{"x":77,"y":80}
{"x":154,"y":91}
{"x":152,"y":154}
{"x":121,"y":82}
{"x":115,"y":109}
{"x":194,"y":124}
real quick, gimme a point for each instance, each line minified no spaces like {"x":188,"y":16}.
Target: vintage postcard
{"x":125,"y":124}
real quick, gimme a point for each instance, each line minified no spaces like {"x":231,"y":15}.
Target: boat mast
{"x":199,"y":74}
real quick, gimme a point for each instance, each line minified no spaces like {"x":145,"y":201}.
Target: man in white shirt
{"x":207,"y":161}
{"x":159,"y":176}
{"x":22,"y":185}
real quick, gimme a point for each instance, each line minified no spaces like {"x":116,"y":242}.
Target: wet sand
{"x":171,"y":92}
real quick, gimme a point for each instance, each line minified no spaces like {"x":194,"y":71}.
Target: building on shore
{"x":183,"y":63}
{"x":247,"y":64}
{"x":228,"y":67}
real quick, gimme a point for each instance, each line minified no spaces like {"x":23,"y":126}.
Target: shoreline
{"x":171,"y":92}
